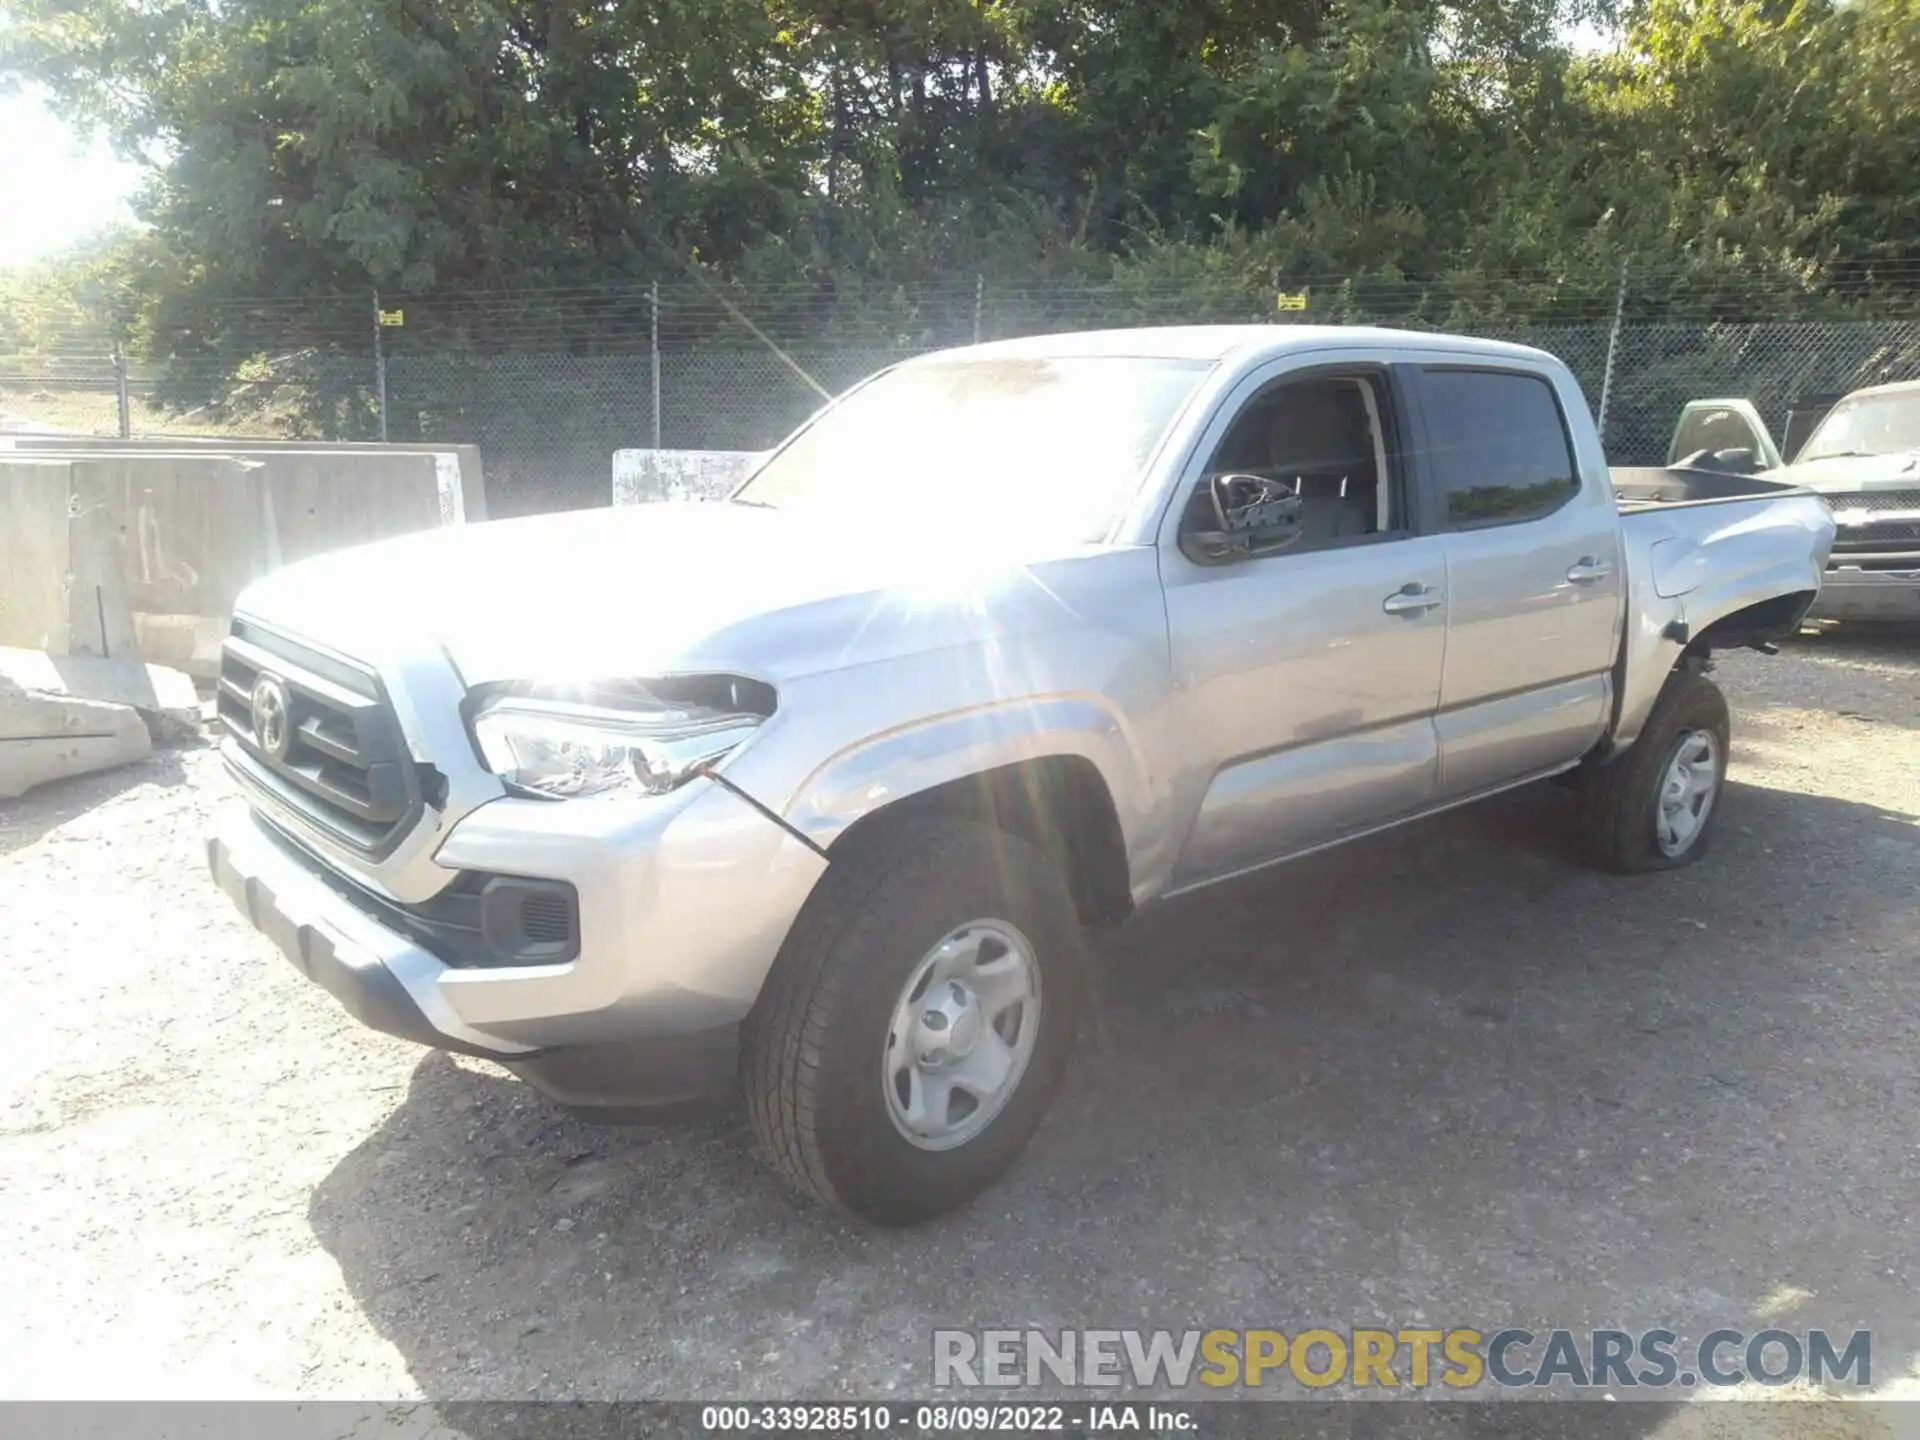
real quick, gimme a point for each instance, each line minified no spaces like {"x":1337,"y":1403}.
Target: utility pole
{"x":654,"y":350}
{"x":380,"y":364}
{"x":979,"y":303}
{"x":1613,"y":347}
{"x":120,"y":391}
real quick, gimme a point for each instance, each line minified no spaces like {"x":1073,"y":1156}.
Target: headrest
{"x":1319,"y":426}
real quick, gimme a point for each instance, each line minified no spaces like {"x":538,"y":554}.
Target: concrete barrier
{"x":181,"y":532}
{"x":197,"y":529}
{"x":462,"y":477}
{"x":33,"y":559}
{"x":641,"y":477}
{"x":164,"y":698}
{"x":49,"y":737}
{"x":62,"y":582}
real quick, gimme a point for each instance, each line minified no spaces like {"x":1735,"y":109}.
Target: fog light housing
{"x":529,"y":922}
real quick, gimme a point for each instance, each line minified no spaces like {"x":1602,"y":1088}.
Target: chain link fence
{"x":550,"y":383}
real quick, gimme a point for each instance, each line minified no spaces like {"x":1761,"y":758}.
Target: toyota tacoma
{"x":814,"y":793}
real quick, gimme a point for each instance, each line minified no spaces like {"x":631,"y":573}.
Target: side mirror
{"x":1251,"y":516}
{"x":1738,"y":461}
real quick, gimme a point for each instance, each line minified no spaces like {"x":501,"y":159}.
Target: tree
{"x":305,"y":149}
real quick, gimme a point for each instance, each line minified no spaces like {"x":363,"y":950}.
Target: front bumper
{"x":1849,"y":592}
{"x":683,"y":907}
{"x":344,"y":951}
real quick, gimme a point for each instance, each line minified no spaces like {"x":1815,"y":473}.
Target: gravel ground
{"x":1441,"y":1076}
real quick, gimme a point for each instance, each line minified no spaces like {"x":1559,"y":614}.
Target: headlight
{"x":565,"y":749}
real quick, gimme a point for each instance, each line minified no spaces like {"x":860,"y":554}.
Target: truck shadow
{"x":1442,"y":1077}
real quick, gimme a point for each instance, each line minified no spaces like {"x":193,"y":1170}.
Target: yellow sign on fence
{"x":1291,"y":300}
{"x":392,"y":317}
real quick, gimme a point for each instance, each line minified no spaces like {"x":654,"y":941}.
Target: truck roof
{"x":1217,"y":342}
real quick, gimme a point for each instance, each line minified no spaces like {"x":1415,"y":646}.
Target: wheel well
{"x":1754,"y":626}
{"x":1059,"y":804}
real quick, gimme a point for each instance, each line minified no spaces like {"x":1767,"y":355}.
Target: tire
{"x":820,"y":1051}
{"x":1621,"y":821}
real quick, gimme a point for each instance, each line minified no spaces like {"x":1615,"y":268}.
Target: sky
{"x":55,"y":187}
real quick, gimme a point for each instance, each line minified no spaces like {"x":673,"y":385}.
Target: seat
{"x":1319,"y":436}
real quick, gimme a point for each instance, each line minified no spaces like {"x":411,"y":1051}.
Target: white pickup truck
{"x":814,"y":792}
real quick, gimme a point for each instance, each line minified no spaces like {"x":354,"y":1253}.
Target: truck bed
{"x":1702,"y":549}
{"x":1637,"y":487}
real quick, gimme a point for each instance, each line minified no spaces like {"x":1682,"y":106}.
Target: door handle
{"x":1411,"y":599}
{"x":1588,"y":569}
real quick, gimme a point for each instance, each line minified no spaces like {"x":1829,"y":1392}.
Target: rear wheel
{"x":1654,"y":807}
{"x":918,"y":1020}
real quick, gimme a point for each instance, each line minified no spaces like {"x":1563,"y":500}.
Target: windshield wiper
{"x":757,"y":504}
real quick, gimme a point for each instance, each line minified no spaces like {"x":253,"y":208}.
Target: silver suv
{"x":815,"y":792}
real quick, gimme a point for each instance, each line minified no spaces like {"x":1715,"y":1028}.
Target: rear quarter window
{"x":1498,"y":448}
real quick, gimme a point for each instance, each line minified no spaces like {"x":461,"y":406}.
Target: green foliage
{"x":98,"y":288}
{"x":306,"y":147}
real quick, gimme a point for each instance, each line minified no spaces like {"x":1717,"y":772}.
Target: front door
{"x":1308,"y":674}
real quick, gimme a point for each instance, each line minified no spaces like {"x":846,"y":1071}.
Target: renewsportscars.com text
{"x":1415,"y":1359}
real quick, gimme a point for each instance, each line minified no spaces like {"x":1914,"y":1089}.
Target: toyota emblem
{"x":272,"y":716}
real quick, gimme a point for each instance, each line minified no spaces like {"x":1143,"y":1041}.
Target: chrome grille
{"x":1875,"y":500}
{"x":1876,"y":535}
{"x":316,"y":734}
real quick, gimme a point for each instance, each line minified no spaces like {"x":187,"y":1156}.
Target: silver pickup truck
{"x":813,"y":793}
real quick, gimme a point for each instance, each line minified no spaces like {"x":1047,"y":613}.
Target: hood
{"x":663,"y":589}
{"x":1844,"y":474}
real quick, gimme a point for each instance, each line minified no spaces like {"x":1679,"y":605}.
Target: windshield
{"x":1869,"y":425}
{"x":1055,"y":446}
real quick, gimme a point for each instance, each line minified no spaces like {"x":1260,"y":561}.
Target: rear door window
{"x":1498,"y":448}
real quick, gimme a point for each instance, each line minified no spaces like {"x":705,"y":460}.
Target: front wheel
{"x":1654,"y":807}
{"x":918,"y":1020}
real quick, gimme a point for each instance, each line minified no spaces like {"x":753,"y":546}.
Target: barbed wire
{"x":676,"y":310}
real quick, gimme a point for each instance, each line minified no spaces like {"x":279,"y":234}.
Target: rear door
{"x":1534,"y":573}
